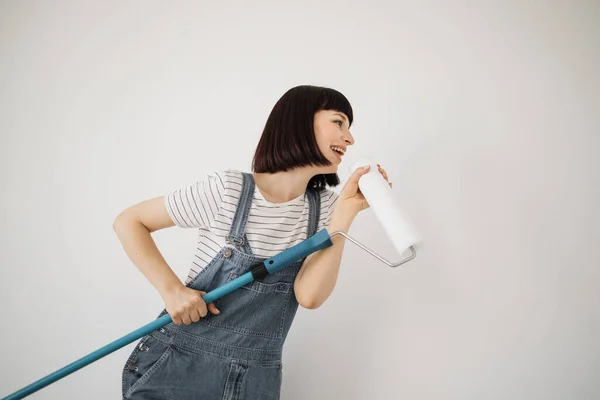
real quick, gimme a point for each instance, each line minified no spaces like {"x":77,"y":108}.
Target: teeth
{"x":338,"y":149}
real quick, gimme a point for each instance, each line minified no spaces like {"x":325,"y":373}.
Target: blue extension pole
{"x":318,"y":241}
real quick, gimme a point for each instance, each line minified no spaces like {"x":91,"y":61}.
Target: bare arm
{"x":319,"y":272}
{"x":133,"y":227}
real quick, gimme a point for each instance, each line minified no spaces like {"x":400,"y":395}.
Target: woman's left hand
{"x":350,"y":198}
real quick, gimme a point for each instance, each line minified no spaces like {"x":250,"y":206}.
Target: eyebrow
{"x":341,"y":115}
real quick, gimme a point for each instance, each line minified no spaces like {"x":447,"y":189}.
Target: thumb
{"x":358,"y":173}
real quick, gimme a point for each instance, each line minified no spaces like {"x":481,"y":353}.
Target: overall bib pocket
{"x":256,"y":309}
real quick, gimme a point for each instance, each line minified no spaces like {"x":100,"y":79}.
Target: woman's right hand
{"x":186,"y":305}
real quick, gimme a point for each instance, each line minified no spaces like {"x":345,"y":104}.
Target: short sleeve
{"x":197,"y":205}
{"x":328,"y":202}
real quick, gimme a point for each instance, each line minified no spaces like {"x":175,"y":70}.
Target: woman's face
{"x":332,"y":132}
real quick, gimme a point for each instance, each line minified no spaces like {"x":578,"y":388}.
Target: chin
{"x":332,"y":168}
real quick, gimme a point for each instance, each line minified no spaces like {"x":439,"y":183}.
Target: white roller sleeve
{"x":384,"y":204}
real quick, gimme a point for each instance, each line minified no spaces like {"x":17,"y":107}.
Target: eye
{"x":340,"y":122}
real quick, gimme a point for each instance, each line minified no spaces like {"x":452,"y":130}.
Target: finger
{"x":186,"y":318}
{"x":176,"y":320}
{"x":202,"y":311}
{"x":358,"y":173}
{"x":194,"y":316}
{"x":382,"y":171}
{"x":213,"y":309}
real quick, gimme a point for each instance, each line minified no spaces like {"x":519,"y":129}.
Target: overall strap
{"x":237,"y":231}
{"x":314,"y":211}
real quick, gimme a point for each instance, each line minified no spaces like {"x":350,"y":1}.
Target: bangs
{"x":335,"y":101}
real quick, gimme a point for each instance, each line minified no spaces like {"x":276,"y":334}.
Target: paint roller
{"x":399,"y":229}
{"x":381,"y":200}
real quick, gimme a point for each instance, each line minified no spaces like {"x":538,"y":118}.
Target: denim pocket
{"x":255,"y":309}
{"x":147,"y":358}
{"x":263,"y":382}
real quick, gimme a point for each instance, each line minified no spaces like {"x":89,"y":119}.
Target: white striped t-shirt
{"x":210,"y":206}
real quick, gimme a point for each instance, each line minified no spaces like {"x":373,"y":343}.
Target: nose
{"x":349,"y":138}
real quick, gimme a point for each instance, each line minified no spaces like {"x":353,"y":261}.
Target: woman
{"x":232,"y":348}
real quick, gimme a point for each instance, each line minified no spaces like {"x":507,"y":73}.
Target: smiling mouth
{"x":339,"y":152}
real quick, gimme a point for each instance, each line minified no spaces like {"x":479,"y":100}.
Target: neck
{"x":283,"y":186}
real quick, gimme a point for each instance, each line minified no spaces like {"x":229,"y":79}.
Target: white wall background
{"x":486,"y":117}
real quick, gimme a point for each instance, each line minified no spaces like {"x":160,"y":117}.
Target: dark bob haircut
{"x":288,"y":139}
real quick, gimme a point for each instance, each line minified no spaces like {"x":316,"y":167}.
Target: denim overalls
{"x":236,"y":354}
